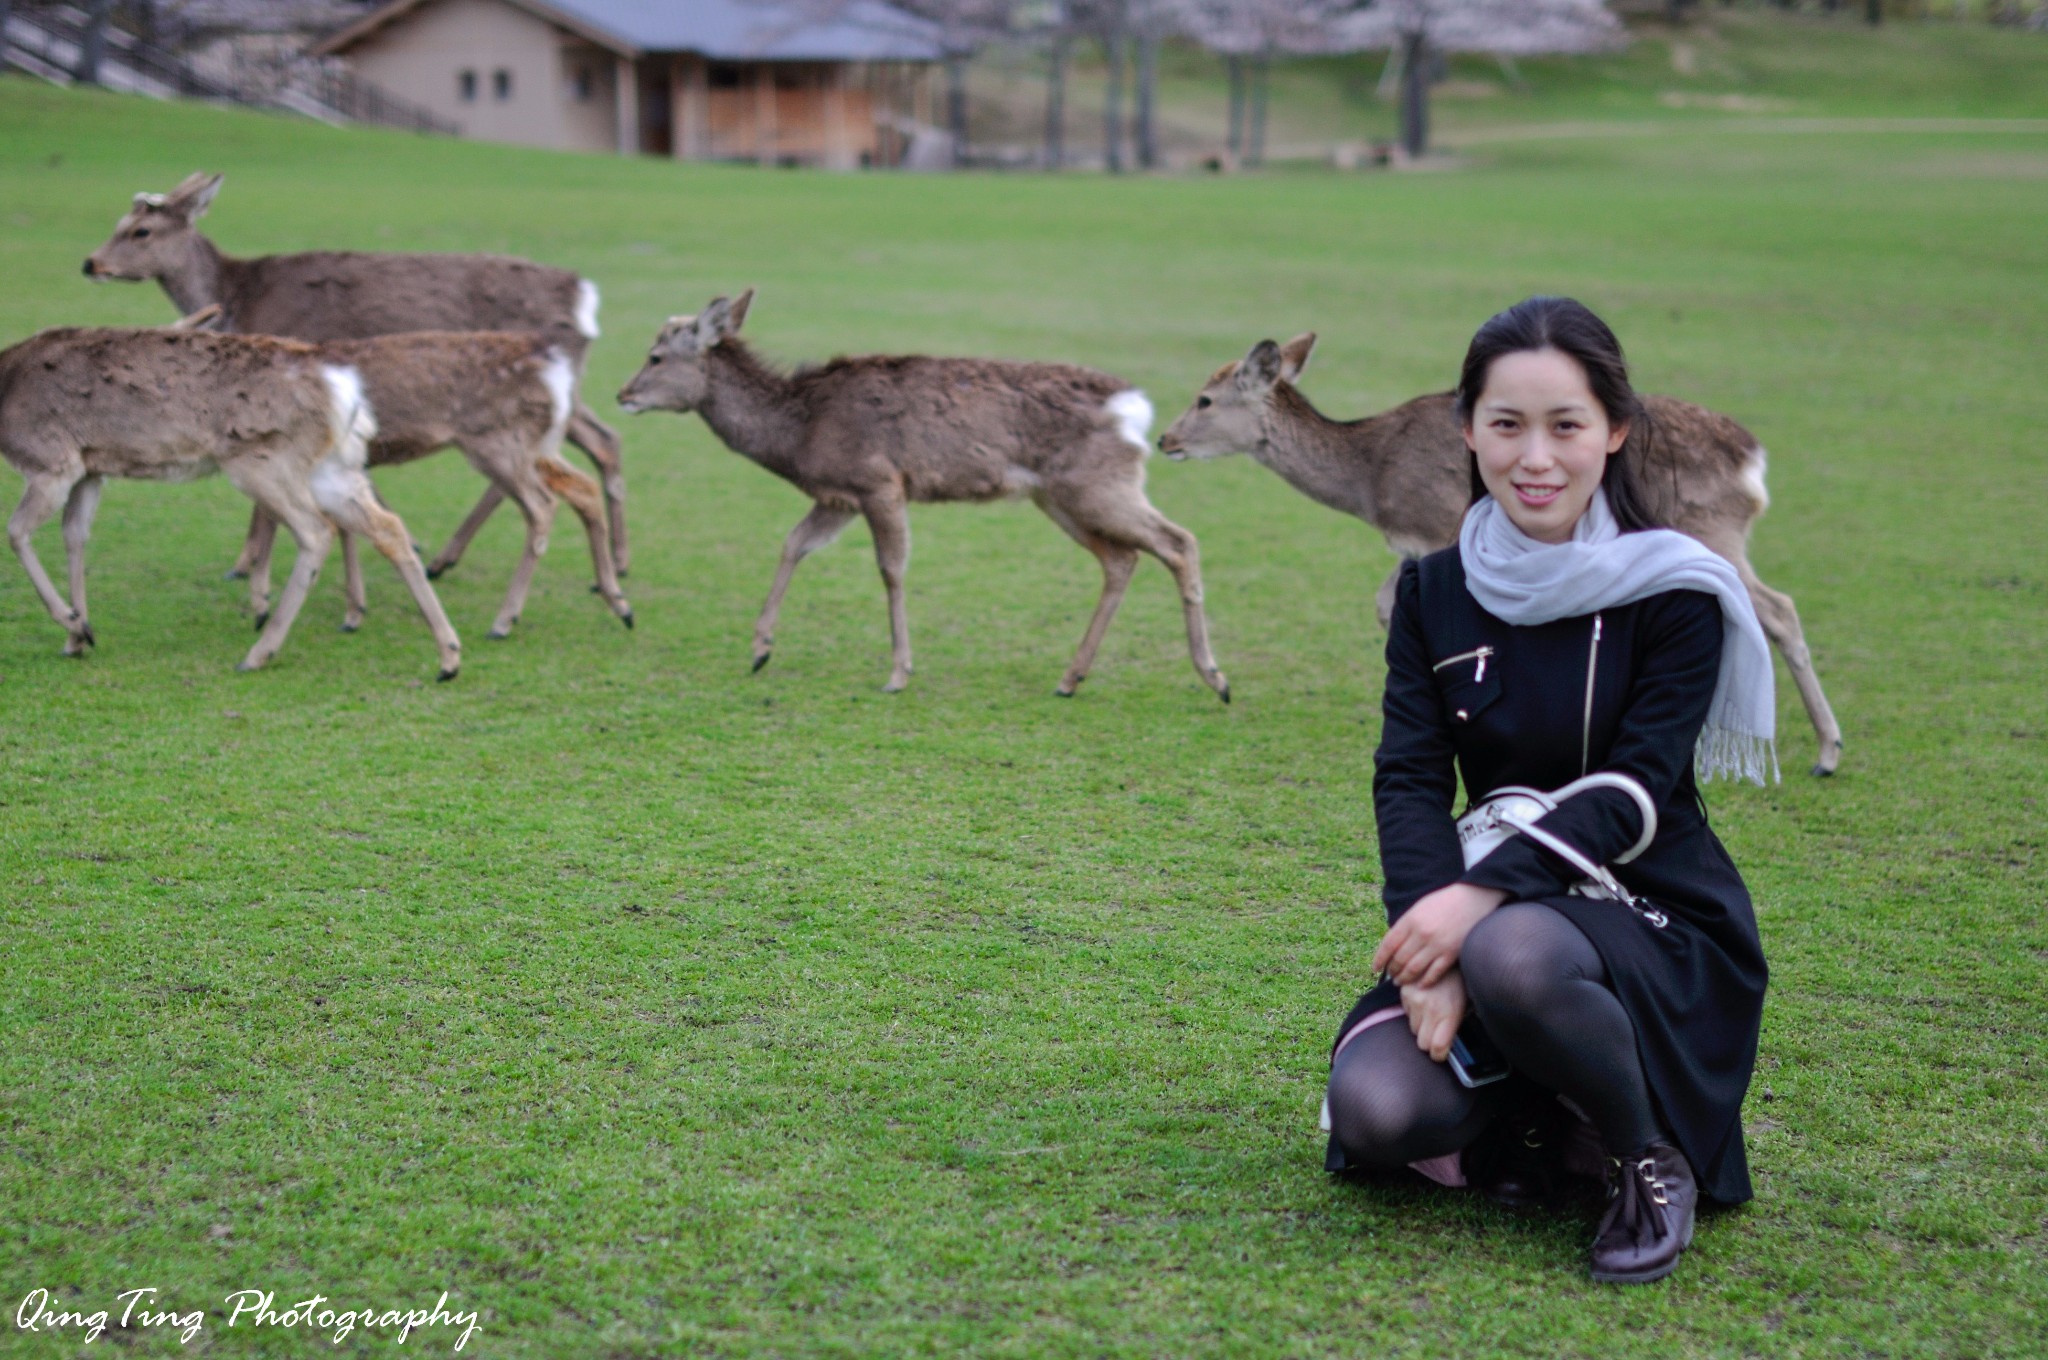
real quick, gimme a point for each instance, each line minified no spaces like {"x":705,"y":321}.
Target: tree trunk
{"x":1146,"y":132}
{"x":1113,"y":103}
{"x":1233,"y":66}
{"x":1414,"y":95}
{"x":956,"y":105}
{"x":93,"y":50}
{"x":1056,"y":103}
{"x":1255,"y":138}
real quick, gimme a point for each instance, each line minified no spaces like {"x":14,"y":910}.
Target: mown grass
{"x":659,"y":1010}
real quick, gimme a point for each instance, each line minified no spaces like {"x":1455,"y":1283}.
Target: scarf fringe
{"x":1724,"y":753}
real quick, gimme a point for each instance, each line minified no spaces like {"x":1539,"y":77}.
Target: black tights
{"x":1539,"y":987}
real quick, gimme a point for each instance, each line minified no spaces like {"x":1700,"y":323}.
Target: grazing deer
{"x":504,"y":399}
{"x":1406,"y":472}
{"x":285,"y":426}
{"x":869,"y":435}
{"x":349,"y":295}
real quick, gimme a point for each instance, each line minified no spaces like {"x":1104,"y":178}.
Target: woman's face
{"x":1542,"y":440}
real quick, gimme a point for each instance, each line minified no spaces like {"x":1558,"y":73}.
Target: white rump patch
{"x":349,"y":417}
{"x":561,"y":384}
{"x":1753,"y":478}
{"x":586,"y":308}
{"x":1132,"y":411}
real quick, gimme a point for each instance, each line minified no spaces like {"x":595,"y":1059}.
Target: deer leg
{"x":889,"y":521}
{"x":812,"y":532}
{"x":1118,"y":562}
{"x":584,"y":498}
{"x":258,"y":520}
{"x":1176,"y":548}
{"x":347,"y":498}
{"x":446,"y":559}
{"x":262,"y":542}
{"x":40,"y":499}
{"x":356,"y":598}
{"x":538,"y":508}
{"x":1780,"y":620}
{"x":79,"y":508}
{"x":315,"y":537}
{"x":600,"y":443}
{"x":1383,"y":603}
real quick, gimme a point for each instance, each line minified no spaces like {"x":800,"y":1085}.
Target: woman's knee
{"x":1518,"y":956}
{"x":1388,"y":1109}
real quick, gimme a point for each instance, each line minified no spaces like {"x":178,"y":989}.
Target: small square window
{"x":501,"y":84}
{"x":465,"y":86}
{"x":583,"y":83}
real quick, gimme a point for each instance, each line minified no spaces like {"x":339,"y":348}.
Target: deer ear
{"x":1294,"y":355}
{"x":191,"y":199}
{"x":739,"y":311}
{"x":715,"y":322}
{"x":1260,"y":369}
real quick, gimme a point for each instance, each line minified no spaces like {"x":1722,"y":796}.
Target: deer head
{"x":675,"y":376}
{"x":1229,"y":415}
{"x":152,"y":237}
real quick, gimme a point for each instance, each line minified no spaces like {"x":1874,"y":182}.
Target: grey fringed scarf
{"x":1521,"y":581}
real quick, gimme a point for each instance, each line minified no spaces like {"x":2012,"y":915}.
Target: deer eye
{"x":1203,"y":403}
{"x":140,"y":232}
{"x":653,"y":359}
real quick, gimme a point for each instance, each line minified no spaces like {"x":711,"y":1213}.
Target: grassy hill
{"x":656,"y":1009}
{"x":1723,"y":66}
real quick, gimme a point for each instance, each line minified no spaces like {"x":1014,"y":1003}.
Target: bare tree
{"x":1249,"y":34}
{"x":1512,"y":28}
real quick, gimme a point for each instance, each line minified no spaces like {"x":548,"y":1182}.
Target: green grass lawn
{"x":657,"y":1009}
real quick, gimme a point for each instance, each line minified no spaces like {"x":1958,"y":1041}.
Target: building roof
{"x":724,"y":30}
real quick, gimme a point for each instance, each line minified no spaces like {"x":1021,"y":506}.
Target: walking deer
{"x":285,"y":426}
{"x":869,"y":435}
{"x":1406,"y":473}
{"x":350,"y":295}
{"x":503,"y":398}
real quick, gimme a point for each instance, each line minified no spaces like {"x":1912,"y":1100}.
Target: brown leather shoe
{"x":1651,"y":1198}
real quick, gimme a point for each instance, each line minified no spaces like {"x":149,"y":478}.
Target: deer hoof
{"x":1223,"y":691}
{"x":262,"y":619}
{"x":236,"y":574}
{"x":760,"y":660}
{"x":246,"y":666}
{"x":435,"y":570}
{"x":1064,"y":692}
{"x":496,"y":635}
{"x":350,"y":625}
{"x":445,"y":676}
{"x":627,"y":619}
{"x":84,"y":634}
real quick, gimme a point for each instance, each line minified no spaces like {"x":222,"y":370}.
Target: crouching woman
{"x":1563,"y":635}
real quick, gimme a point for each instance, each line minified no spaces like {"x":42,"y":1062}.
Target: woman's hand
{"x":1435,"y":1012}
{"x":1423,"y":945}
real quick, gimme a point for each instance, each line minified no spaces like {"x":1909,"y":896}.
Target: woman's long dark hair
{"x":1569,"y":327}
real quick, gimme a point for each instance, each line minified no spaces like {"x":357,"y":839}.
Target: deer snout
{"x":92,"y":271}
{"x":1170,"y":444}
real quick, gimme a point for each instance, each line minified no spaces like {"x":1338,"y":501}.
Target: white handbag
{"x":1514,"y":811}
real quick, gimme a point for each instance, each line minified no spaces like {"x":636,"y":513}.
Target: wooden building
{"x":692,"y":79}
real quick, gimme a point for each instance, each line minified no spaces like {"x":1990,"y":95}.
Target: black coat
{"x":1694,"y":988}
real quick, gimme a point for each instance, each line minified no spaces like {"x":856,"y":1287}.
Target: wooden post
{"x":627,"y":91}
{"x":693,"y":112}
{"x":838,"y":152}
{"x":764,"y":113}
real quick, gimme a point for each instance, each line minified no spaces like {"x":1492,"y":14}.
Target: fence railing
{"x":49,"y":40}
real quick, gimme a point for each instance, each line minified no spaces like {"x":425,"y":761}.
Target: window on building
{"x":465,"y":86}
{"x":722,"y":76}
{"x":582,"y":84}
{"x":501,"y":84}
